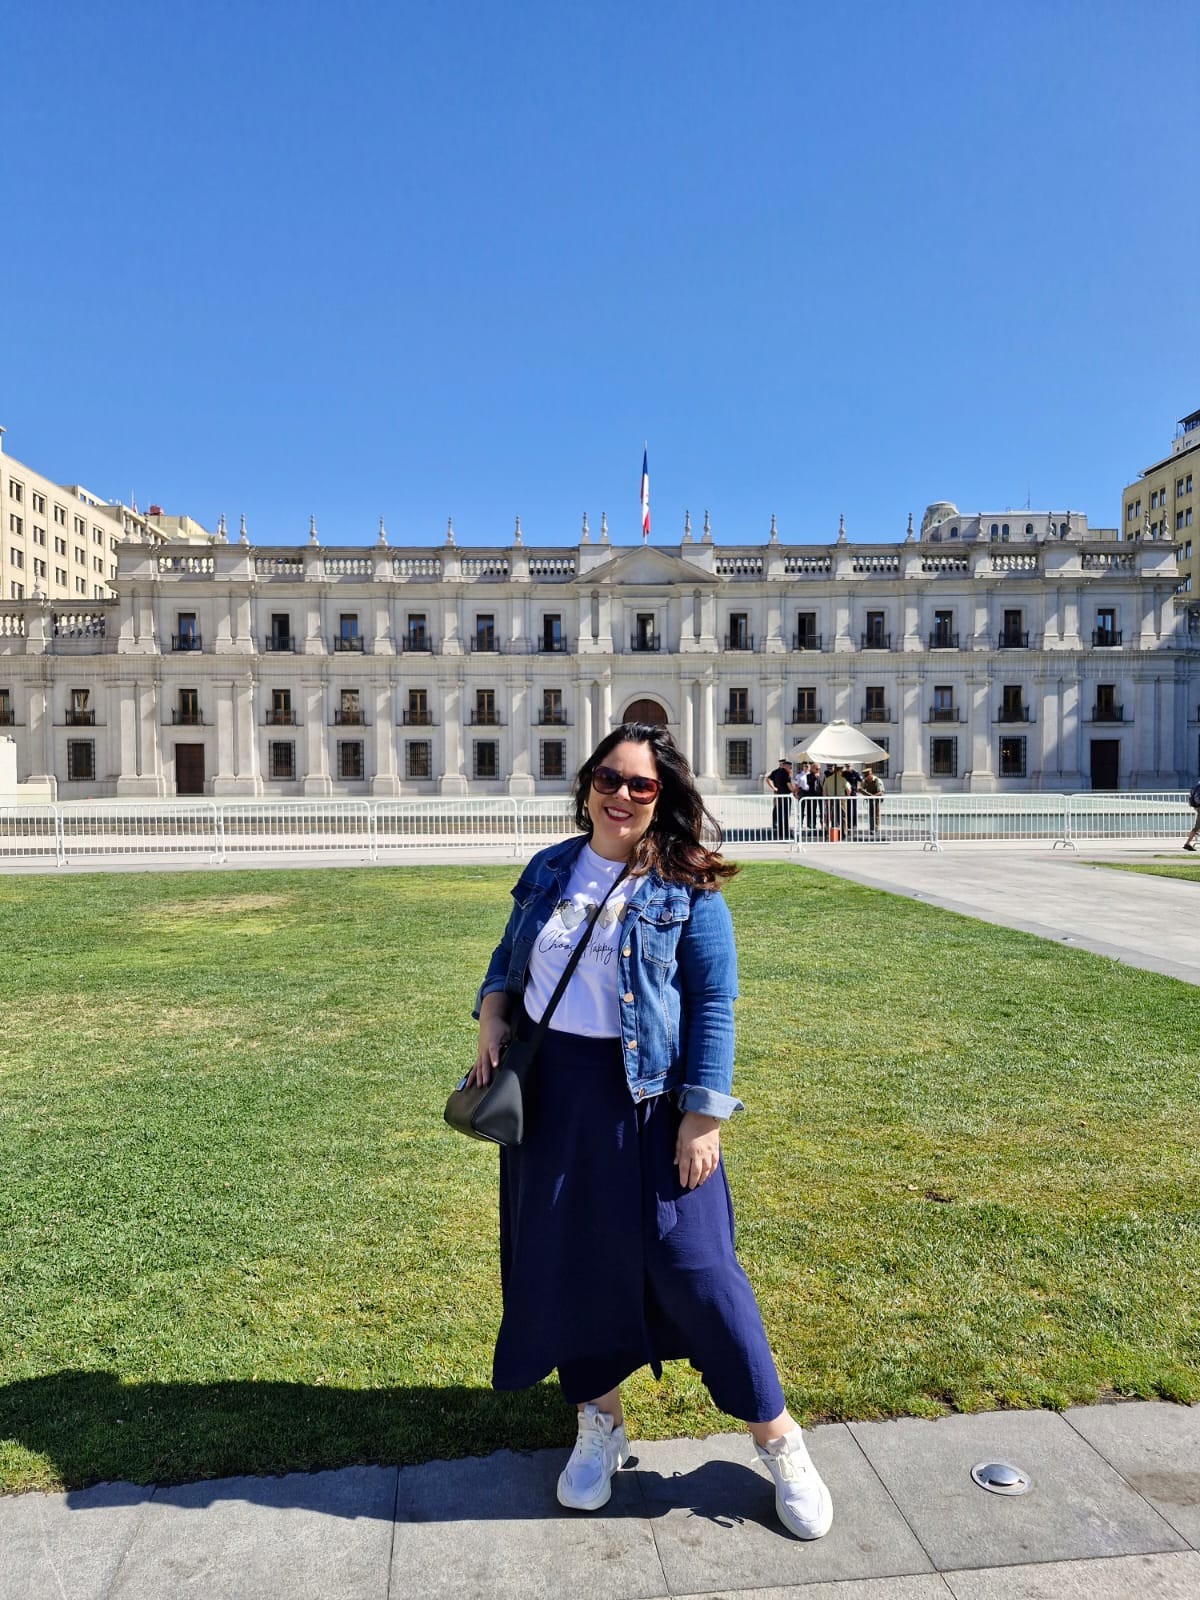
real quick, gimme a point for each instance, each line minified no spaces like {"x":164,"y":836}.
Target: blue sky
{"x":459,"y":259}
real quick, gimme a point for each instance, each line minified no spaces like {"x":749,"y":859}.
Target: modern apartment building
{"x":60,"y":541}
{"x":993,"y":653}
{"x":1164,"y":503}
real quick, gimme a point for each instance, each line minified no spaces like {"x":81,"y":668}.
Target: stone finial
{"x":243,"y":536}
{"x":449,"y":530}
{"x":38,"y":595}
{"x":604,"y":527}
{"x":584,"y":536}
{"x":687,"y":527}
{"x":908,"y":536}
{"x":312,"y":531}
{"x":517,"y":532}
{"x":706,"y":531}
{"x":222,"y":530}
{"x":381,"y":539}
{"x":841,"y":538}
{"x":774,"y":535}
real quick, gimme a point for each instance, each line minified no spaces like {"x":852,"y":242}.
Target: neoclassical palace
{"x":985,"y":653}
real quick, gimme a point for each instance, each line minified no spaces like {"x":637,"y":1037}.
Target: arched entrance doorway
{"x":645,"y":711}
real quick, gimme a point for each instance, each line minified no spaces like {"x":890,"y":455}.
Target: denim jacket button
{"x":628,"y":999}
{"x":641,"y":1094}
{"x":627,"y":951}
{"x":631,"y":1044}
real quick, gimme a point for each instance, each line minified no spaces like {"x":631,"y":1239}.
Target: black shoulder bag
{"x":496,"y":1111}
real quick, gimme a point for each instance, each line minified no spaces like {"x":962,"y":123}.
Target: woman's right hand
{"x":494,"y":1032}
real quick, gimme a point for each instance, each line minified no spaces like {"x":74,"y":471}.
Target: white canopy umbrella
{"x":840,"y":744}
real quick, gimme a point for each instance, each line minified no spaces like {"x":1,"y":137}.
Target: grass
{"x":235,"y":1235}
{"x":1160,"y":867}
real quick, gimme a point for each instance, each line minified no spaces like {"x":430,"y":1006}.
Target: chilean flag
{"x":645,"y":495}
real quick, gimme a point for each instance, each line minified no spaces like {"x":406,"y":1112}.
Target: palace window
{"x":1012,"y":755}
{"x":350,"y":759}
{"x":418,"y":758}
{"x":281,"y":759}
{"x":943,"y":758}
{"x":486,"y":758}
{"x":81,"y":760}
{"x":553,"y":758}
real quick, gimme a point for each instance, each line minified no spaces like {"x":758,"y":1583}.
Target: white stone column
{"x":453,"y":779}
{"x":521,"y":735}
{"x":606,"y":706}
{"x":707,"y":775}
{"x":384,"y":779}
{"x":316,"y":777}
{"x":246,"y":738}
{"x":687,"y":720}
{"x":587,"y":721}
{"x":225,"y":779}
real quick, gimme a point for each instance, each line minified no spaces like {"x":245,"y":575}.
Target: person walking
{"x":779,"y":783}
{"x":1194,"y":801}
{"x":616,"y":1224}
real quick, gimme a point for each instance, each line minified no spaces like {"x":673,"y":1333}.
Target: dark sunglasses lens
{"x":605,"y":780}
{"x":643,"y":788}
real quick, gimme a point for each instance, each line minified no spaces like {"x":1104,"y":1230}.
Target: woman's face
{"x":618,"y":822}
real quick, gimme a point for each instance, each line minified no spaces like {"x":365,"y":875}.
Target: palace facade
{"x":988,"y":653}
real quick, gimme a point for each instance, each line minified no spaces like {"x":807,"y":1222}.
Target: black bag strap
{"x":543,"y":1022}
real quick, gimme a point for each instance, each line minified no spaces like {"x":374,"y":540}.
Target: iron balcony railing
{"x":1013,"y":639}
{"x":739,"y":641}
{"x":418,"y":719}
{"x":344,"y":717}
{"x":944,"y":714}
{"x":280,"y":643}
{"x":807,"y":714}
{"x":185,"y":717}
{"x":646,"y":641}
{"x":1106,"y":636}
{"x":484,"y":719}
{"x":281,"y":718}
{"x":349,"y":642}
{"x":1013,"y":714}
{"x":186,"y":641}
{"x":551,"y":719}
{"x":1108,"y":713}
{"x":735,"y":716}
{"x":806,"y":641}
{"x":875,"y":714}
{"x":558,"y":646}
{"x":485,"y":644}
{"x":941,"y":639}
{"x":415,"y":642}
{"x":8,"y":717}
{"x":874,"y":640}
{"x":81,"y":719}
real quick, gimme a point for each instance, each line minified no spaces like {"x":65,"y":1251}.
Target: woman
{"x":616,"y":1227}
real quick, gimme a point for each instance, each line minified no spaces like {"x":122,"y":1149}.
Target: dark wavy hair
{"x":683,"y":842}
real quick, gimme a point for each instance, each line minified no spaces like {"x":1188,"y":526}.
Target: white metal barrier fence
{"x":218,"y":831}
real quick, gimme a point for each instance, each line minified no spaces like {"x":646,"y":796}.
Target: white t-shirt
{"x":589,"y":1006}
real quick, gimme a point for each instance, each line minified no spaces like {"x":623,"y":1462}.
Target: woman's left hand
{"x":697,"y":1148}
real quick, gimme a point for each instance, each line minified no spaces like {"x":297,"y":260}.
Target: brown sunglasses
{"x":607,"y":780}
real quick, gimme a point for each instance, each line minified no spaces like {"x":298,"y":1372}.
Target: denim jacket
{"x":676,"y":979}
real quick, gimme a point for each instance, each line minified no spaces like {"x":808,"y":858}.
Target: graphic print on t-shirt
{"x":589,"y":1006}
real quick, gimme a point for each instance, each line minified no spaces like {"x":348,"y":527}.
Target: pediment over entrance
{"x":640,"y":567}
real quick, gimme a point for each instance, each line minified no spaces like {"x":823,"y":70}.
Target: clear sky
{"x":423,"y":260}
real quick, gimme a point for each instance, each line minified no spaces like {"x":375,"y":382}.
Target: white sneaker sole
{"x":815,"y":1530}
{"x":603,"y":1492}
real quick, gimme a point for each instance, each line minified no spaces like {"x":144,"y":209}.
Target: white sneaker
{"x":585,"y":1483}
{"x":801,"y":1499}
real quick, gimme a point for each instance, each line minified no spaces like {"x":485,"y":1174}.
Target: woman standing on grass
{"x":616,"y":1227}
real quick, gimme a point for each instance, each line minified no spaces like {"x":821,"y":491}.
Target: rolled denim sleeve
{"x":707,"y":967}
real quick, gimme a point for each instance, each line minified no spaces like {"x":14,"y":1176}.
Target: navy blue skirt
{"x":607,"y":1263}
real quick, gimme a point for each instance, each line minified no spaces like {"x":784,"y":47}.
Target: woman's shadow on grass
{"x":94,"y":1429}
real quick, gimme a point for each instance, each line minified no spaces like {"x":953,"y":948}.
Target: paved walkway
{"x":1114,"y":1512}
{"x":1134,"y":917}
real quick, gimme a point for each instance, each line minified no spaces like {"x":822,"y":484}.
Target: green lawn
{"x":236,"y":1236}
{"x":1160,"y":867}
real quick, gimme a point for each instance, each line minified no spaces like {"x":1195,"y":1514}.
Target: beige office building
{"x":1164,"y":503}
{"x":59,"y":541}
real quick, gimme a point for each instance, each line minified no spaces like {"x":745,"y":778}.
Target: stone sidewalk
{"x":1113,"y":1514}
{"x":1078,"y":901}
